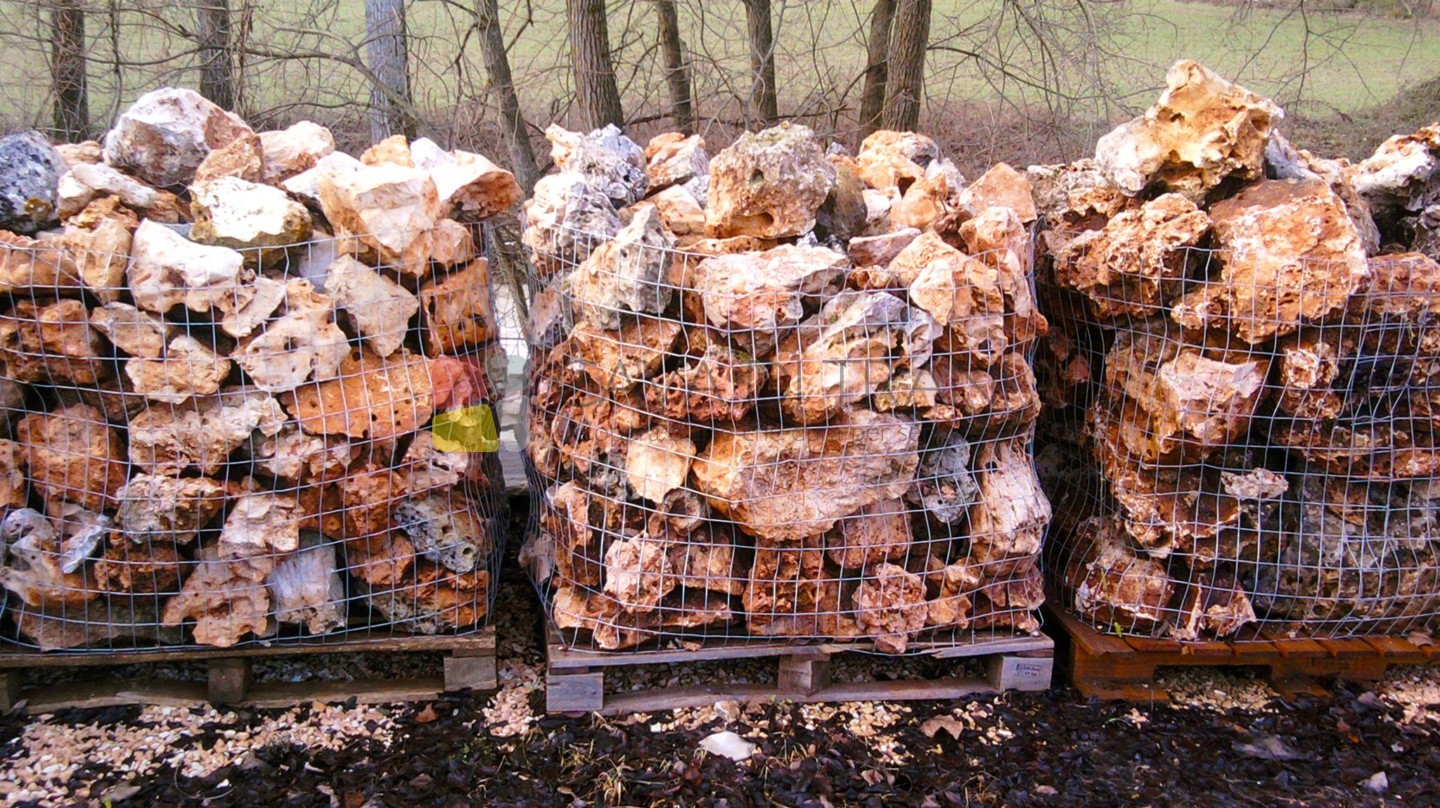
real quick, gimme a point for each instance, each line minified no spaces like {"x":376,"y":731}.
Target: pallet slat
{"x":575,"y":680}
{"x":1294,"y":666}
{"x":469,"y":662}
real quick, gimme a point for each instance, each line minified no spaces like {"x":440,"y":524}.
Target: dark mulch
{"x":1089,"y":753}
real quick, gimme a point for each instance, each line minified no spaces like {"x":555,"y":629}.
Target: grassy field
{"x":1320,"y":65}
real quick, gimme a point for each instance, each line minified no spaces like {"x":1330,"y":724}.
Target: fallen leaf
{"x":939,"y":722}
{"x":426,"y":715}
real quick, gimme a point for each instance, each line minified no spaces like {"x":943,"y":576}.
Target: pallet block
{"x":469,"y":663}
{"x":1119,"y":668}
{"x":575,"y":679}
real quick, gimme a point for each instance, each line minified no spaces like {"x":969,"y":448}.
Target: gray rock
{"x":30,"y":170}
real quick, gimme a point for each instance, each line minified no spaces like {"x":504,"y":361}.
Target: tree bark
{"x":594,"y":73}
{"x":907,"y":64}
{"x":877,"y":67}
{"x":388,"y":60}
{"x":677,"y":72}
{"x":67,"y":69}
{"x":217,"y":69}
{"x":762,"y":61}
{"x":497,"y":66}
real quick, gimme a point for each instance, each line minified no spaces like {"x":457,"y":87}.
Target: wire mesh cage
{"x":215,"y":446}
{"x":735,"y":439}
{"x":1239,"y":434}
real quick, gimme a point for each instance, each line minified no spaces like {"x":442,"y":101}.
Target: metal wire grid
{"x":846,"y":469}
{"x":1210,"y":487}
{"x":257,"y":448}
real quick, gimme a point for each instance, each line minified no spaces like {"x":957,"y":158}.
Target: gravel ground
{"x":1225,"y":739}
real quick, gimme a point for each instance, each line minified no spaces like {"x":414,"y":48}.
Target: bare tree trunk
{"x":907,"y":64}
{"x":497,"y":65}
{"x":385,"y":51}
{"x":762,"y":61}
{"x":217,"y":70}
{"x":872,"y":98}
{"x":594,"y":73}
{"x":67,"y":69}
{"x":677,"y":73}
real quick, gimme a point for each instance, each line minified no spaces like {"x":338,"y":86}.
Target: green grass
{"x":1316,"y":64}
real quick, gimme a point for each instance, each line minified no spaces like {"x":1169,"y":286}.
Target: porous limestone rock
{"x":768,"y":184}
{"x":165,"y":135}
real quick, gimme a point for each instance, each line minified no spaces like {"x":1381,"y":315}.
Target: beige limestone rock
{"x":167,"y":439}
{"x":12,"y":475}
{"x":618,"y":360}
{"x":167,"y":510}
{"x":259,"y":220}
{"x":33,"y":572}
{"x":186,"y":368}
{"x":719,"y":385}
{"x":791,"y":483}
{"x":965,"y":295}
{"x":768,"y":184}
{"x":292,"y":457}
{"x":1112,"y":585}
{"x":471,"y":188}
{"x":85,"y":183}
{"x":890,"y":606}
{"x":168,"y":269}
{"x":241,"y":158}
{"x":291,"y":151}
{"x":890,"y":159}
{"x":260,"y":524}
{"x":877,"y":533}
{"x":451,"y":243}
{"x":933,"y":201}
{"x":638,"y":573}
{"x":254,"y":305}
{"x":304,"y":344}
{"x":227,"y":600}
{"x":165,"y":135}
{"x":1202,"y":130}
{"x":680,"y":212}
{"x":36,"y":267}
{"x":766,"y":291}
{"x":1011,"y":513}
{"x":658,"y":462}
{"x":880,"y":250}
{"x":380,"y":309}
{"x":676,"y":160}
{"x":1000,"y":187}
{"x":98,"y":240}
{"x":388,"y":208}
{"x":626,"y":274}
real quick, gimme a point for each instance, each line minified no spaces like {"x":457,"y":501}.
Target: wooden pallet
{"x":1113,"y":667}
{"x":575,"y":679}
{"x":469,"y":662}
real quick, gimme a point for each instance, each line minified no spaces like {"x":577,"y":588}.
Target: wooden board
{"x":469,"y":663}
{"x":575,"y":679}
{"x":1111,"y":667}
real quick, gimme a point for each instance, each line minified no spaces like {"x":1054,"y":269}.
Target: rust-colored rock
{"x":787,"y":484}
{"x":720,"y":385}
{"x":890,"y":159}
{"x":1289,"y":254}
{"x":1112,"y":585}
{"x":227,"y":600}
{"x":185,"y":369}
{"x":51,"y":344}
{"x":458,"y":313}
{"x":1134,"y":265}
{"x":142,"y":569}
{"x":619,"y":359}
{"x":877,"y":533}
{"x":378,"y":397}
{"x":890,"y":606}
{"x":73,"y":456}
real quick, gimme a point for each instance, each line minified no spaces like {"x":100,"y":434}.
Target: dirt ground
{"x":1225,"y":740}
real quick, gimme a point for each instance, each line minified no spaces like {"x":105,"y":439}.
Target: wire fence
{"x":735,"y":439}
{"x":222,"y":447}
{"x":1237,"y":454}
